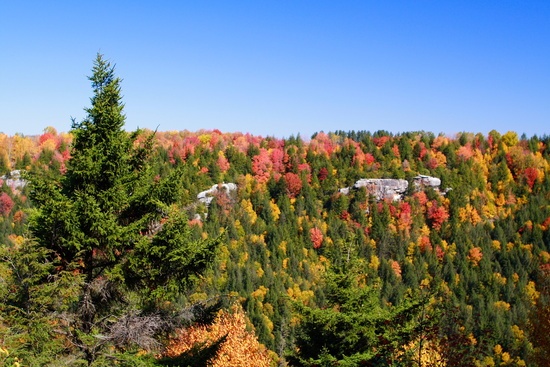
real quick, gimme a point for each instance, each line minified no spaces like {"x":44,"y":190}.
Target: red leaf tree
{"x":531,"y":174}
{"x":316,"y":237}
{"x":6,"y":204}
{"x":262,"y":166}
{"x":293,"y":184}
{"x":437,"y":215}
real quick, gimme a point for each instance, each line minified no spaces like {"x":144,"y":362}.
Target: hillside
{"x":476,"y":247}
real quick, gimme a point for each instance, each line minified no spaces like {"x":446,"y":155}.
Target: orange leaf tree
{"x":240,"y":348}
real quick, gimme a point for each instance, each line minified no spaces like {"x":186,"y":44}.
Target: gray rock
{"x":207,"y":196}
{"x":383,"y":188}
{"x":393,"y":189}
{"x":14,"y":180}
{"x":422,"y":180}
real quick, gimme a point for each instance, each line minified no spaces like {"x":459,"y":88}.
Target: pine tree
{"x":539,"y":320}
{"x":353,"y":329}
{"x":114,"y":236}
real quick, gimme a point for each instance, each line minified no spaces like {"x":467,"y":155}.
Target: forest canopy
{"x":348,"y":248}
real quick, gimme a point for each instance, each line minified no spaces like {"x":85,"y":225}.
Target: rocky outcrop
{"x":421,"y":181}
{"x":390,"y":188}
{"x":207,"y":196}
{"x":383,"y":188}
{"x":14,"y":180}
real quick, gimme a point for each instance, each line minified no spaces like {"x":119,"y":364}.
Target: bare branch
{"x":134,"y":329}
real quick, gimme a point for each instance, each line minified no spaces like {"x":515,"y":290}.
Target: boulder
{"x":426,"y":181}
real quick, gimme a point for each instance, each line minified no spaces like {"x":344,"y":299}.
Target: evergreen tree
{"x":114,"y":240}
{"x":353,"y":329}
{"x":539,"y":320}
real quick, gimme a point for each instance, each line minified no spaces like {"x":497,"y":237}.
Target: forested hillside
{"x":329,"y":272}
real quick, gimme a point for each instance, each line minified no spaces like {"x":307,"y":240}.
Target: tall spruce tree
{"x":118,"y":246}
{"x":353,"y":329}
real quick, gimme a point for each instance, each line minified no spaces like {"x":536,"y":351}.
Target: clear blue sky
{"x":280,"y":68}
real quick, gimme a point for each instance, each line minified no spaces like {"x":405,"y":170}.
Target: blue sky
{"x":281,"y":68}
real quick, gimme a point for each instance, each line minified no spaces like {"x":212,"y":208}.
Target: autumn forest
{"x":210,"y":248}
